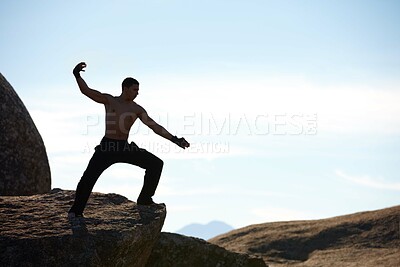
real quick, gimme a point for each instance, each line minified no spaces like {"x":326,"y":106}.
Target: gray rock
{"x":114,"y":232}
{"x":174,"y":250}
{"x":24,"y":165}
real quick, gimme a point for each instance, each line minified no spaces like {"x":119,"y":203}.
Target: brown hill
{"x":362,"y":239}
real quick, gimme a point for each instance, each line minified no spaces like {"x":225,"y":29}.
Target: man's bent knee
{"x":160,"y":163}
{"x":157,"y":164}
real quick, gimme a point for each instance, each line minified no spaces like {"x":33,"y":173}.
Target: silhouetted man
{"x":121,"y":113}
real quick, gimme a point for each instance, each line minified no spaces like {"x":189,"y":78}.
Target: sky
{"x":291,"y":107}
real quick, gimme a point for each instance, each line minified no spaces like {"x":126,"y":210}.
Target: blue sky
{"x":291,"y":106}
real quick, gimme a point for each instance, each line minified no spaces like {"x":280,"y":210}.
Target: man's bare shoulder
{"x":109,"y":97}
{"x":138,"y":108}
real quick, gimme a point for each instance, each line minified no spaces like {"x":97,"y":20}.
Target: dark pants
{"x":111,"y":151}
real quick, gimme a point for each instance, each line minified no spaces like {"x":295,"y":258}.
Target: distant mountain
{"x":205,"y":231}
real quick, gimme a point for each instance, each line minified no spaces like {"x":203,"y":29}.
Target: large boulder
{"x":114,"y":232}
{"x":24,"y":165}
{"x":174,"y":250}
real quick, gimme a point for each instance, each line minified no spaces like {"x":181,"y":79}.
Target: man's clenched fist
{"x":78,"y":68}
{"x":181,"y":142}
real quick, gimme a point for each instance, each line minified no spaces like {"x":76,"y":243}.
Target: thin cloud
{"x":344,"y":109}
{"x":369,"y":181}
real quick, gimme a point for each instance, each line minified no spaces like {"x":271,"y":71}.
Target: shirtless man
{"x":121,"y":113}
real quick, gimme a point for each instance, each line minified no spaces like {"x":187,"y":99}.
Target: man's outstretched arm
{"x":91,"y":93}
{"x":161,"y":131}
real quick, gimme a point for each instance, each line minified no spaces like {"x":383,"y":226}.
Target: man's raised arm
{"x":91,"y":93}
{"x":161,"y":131}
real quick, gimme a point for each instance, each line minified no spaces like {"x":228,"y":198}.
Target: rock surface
{"x":367,"y":239}
{"x":24,"y":165}
{"x":115,"y":231}
{"x":174,"y":250}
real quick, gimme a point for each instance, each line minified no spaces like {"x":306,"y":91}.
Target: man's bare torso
{"x":120,"y":116}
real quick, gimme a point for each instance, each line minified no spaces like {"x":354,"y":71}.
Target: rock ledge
{"x":174,"y":250}
{"x":115,"y":231}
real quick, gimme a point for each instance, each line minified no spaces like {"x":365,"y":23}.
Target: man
{"x":121,"y":113}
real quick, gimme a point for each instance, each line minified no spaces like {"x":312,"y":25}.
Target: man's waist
{"x":115,"y":145}
{"x":106,"y":139}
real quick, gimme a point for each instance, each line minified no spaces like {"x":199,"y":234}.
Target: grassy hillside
{"x":362,"y":239}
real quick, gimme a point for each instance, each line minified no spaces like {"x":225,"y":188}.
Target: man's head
{"x":128,"y":82}
{"x":130,"y":88}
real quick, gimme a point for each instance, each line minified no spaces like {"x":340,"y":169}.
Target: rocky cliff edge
{"x":115,"y":232}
